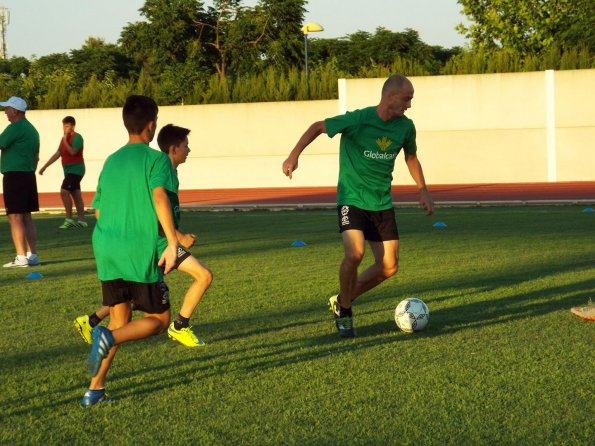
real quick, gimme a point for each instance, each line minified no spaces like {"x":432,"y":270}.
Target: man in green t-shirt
{"x":19,"y":148}
{"x":371,"y":139}
{"x":130,"y":203}
{"x":73,"y":164}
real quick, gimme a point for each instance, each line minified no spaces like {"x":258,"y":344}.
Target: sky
{"x":41,"y":27}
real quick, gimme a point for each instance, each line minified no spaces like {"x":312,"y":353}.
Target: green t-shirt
{"x":74,"y":164}
{"x":20,"y":147}
{"x":126,"y":233}
{"x":175,"y":209}
{"x":367,"y":155}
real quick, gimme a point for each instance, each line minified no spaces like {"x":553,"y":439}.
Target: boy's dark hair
{"x":69,"y":120}
{"x":171,"y":135}
{"x":137,"y":112}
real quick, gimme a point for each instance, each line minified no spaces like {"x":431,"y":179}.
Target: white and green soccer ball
{"x":412,"y":315}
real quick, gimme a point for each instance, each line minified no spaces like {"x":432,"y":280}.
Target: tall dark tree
{"x":231,"y":34}
{"x":169,"y":35}
{"x":96,"y":58}
{"x":282,"y":44}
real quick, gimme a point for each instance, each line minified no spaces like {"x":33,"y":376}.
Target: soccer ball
{"x":412,"y":314}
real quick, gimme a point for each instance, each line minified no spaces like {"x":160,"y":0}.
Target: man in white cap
{"x":19,"y":146}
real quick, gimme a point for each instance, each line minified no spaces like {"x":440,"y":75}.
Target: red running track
{"x":583,"y":192}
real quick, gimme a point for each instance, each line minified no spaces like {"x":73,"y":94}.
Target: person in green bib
{"x":131,"y":202}
{"x":71,"y":151}
{"x":371,"y":139}
{"x":19,"y":155}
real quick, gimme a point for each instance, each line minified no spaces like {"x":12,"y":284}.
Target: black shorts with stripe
{"x":377,"y":226}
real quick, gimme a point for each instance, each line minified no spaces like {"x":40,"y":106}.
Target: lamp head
{"x":312,"y":27}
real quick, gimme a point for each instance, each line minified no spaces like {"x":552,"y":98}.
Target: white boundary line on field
{"x":308,"y":206}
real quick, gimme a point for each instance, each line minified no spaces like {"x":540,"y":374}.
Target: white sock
{"x":22,"y":258}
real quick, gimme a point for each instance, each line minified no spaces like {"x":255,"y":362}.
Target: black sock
{"x":181,"y":322}
{"x":94,"y":320}
{"x":345,"y":312}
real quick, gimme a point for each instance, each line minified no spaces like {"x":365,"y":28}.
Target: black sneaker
{"x":345,"y":327}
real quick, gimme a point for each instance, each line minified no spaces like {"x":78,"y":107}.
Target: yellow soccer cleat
{"x":333,"y":305}
{"x":185,"y":336}
{"x":82,"y":326}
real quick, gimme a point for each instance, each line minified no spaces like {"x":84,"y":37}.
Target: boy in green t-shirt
{"x":371,"y":139}
{"x":173,"y":141}
{"x":130,"y":203}
{"x":73,"y":164}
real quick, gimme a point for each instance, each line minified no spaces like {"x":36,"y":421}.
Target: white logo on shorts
{"x":344,"y":215}
{"x":165,"y":291}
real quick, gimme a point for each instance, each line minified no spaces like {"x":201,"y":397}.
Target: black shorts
{"x":377,"y":226}
{"x":20,"y":192}
{"x":72,"y":182}
{"x":183,"y":254}
{"x":150,"y":298}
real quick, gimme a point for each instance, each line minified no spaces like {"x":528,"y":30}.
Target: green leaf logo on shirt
{"x":383,"y":143}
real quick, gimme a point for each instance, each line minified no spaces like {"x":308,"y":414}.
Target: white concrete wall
{"x":471,"y":129}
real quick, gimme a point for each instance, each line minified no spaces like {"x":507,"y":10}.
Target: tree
{"x":282,"y":45}
{"x":231,"y":33}
{"x":529,"y":26}
{"x":246,"y":40}
{"x":15,"y":66}
{"x":362,"y":50}
{"x":171,"y":34}
{"x":96,"y":58}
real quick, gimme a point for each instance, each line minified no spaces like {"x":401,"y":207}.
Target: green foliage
{"x":98,"y":59}
{"x":257,"y":53}
{"x":529,"y":26}
{"x":15,"y":66}
{"x":281,"y":45}
{"x":363,"y":52}
{"x":404,"y":65}
{"x":502,"y":361}
{"x":168,"y":35}
{"x":505,"y":60}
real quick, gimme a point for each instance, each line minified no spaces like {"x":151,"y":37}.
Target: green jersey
{"x":125,"y":236}
{"x":367,"y":155}
{"x":20,"y":147}
{"x":175,"y":209}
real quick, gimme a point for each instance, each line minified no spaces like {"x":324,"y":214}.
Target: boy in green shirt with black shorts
{"x":371,"y":139}
{"x":130,"y":203}
{"x":173,"y":141}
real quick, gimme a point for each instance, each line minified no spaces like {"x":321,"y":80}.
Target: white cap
{"x":16,"y":103}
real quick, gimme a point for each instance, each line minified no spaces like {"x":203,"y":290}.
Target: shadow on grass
{"x":257,"y":352}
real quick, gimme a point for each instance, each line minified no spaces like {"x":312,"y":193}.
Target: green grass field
{"x":502,"y":362}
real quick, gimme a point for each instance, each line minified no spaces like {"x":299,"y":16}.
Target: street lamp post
{"x":311,"y":27}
